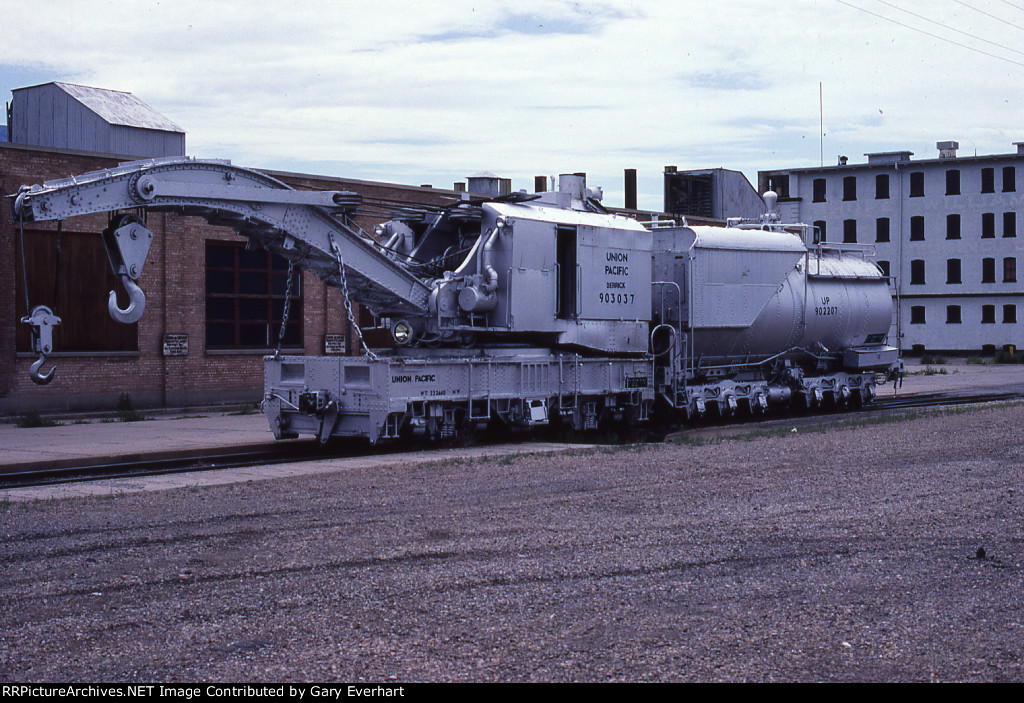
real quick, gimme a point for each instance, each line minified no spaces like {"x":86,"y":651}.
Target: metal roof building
{"x":68,"y":116}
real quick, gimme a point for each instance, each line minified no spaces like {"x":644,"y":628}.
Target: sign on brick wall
{"x":175,"y":345}
{"x":335,"y":343}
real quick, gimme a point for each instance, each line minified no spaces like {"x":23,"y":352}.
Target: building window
{"x":988,"y":314}
{"x":245,"y":292}
{"x":819,"y":190}
{"x":1010,"y":269}
{"x":1009,"y":224}
{"x":882,"y":186}
{"x":988,"y":270}
{"x":952,"y":314}
{"x":953,"y":181}
{"x":952,"y":270}
{"x":917,"y":314}
{"x":882,"y":229}
{"x":1010,"y":313}
{"x":917,"y":271}
{"x":917,"y":184}
{"x":779,"y":183}
{"x":952,"y":226}
{"x":884,"y":266}
{"x":988,"y":180}
{"x":819,"y":230}
{"x":849,"y":231}
{"x":850,"y":188}
{"x":917,"y":228}
{"x":988,"y":225}
{"x":1009,"y":179}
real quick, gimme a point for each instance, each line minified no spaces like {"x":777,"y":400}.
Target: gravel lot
{"x":846,"y":555}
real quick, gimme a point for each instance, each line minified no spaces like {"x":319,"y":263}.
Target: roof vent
{"x":947,"y":150}
{"x":486,"y":183}
{"x":843,"y":160}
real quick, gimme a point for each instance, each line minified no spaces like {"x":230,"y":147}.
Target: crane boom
{"x":313,"y":229}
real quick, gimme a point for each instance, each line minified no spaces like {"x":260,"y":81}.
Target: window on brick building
{"x":849,"y":188}
{"x":884,"y":265}
{"x":245,"y":293}
{"x":917,"y":184}
{"x":1009,"y":224}
{"x":917,"y":228}
{"x":819,"y":190}
{"x":882,"y":186}
{"x":1009,"y":179}
{"x":819,"y":231}
{"x":849,"y":231}
{"x":76,"y":290}
{"x":953,"y":181}
{"x":1010,"y":313}
{"x":882,"y":229}
{"x":917,"y":271}
{"x":953,"y":315}
{"x":988,"y":270}
{"x":988,"y":314}
{"x":952,"y":226}
{"x":917,"y":314}
{"x":952,"y":270}
{"x":988,"y":225}
{"x":988,"y":180}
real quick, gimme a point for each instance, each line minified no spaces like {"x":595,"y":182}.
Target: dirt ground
{"x":879,"y":550}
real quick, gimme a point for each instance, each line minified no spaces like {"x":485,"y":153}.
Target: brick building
{"x":213,"y":308}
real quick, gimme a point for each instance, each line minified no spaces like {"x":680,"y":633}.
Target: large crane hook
{"x":127,"y":242}
{"x":132,"y":313}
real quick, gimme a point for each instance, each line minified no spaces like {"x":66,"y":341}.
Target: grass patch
{"x":33,"y":419}
{"x":1005,"y":357}
{"x":933,"y":359}
{"x":976,"y":360}
{"x":246,"y":409}
{"x":932,"y":371}
{"x":126,"y":411}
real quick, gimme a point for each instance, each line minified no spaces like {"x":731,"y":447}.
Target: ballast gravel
{"x":870,"y":551}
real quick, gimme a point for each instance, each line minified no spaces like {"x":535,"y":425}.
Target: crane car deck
{"x":411,"y":395}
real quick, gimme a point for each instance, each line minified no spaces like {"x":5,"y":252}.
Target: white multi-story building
{"x":945,"y":230}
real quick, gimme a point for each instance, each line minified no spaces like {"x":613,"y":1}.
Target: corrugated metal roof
{"x":119,"y":108}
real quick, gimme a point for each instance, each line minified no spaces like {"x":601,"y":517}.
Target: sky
{"x":425,"y":92}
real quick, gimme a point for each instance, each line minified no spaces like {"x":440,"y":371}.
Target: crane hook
{"x":42,"y":321}
{"x":40,"y":378}
{"x":135,"y":308}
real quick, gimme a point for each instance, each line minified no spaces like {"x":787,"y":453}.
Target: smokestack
{"x":630,"y":176}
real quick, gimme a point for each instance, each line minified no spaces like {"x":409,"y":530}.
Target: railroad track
{"x":298,"y":452}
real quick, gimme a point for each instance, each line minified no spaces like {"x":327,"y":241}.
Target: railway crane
{"x":522,"y":310}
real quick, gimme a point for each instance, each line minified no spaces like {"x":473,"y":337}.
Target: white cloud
{"x":430,"y":92}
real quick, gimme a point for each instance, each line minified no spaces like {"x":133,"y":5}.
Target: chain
{"x":24,"y":267}
{"x":287,"y":308}
{"x":348,"y":303}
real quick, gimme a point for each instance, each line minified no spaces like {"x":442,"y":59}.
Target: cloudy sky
{"x":415,"y":91}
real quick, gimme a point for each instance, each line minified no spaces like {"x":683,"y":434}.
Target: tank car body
{"x":752,"y":314}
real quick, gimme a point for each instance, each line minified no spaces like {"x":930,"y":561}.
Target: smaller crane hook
{"x":42,"y":321}
{"x":135,"y":308}
{"x":40,"y":378}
